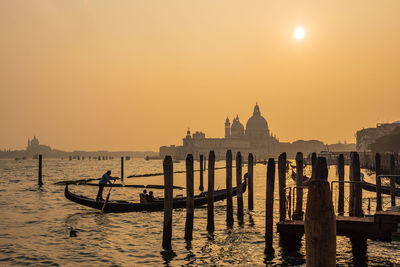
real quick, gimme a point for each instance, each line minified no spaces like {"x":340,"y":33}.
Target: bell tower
{"x":227,"y":128}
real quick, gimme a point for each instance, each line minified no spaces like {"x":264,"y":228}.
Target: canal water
{"x":34,"y":223}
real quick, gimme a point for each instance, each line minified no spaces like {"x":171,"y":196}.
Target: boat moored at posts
{"x":157,"y":205}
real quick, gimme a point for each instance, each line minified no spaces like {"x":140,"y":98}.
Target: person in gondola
{"x":150,"y":197}
{"x":106,"y":178}
{"x":143,"y":196}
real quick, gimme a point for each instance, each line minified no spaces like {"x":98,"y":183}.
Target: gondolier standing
{"x":106,"y":178}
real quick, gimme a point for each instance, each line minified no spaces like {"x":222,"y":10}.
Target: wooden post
{"x":392,"y":181}
{"x":239,"y":187}
{"x":313,"y":164}
{"x":201,"y":187}
{"x":40,"y":182}
{"x":320,"y":221}
{"x":255,"y":160}
{"x":122,"y":169}
{"x":205,"y":164}
{"x":298,"y":213}
{"x":168,"y":202}
{"x":229,"y":202}
{"x":340,"y":172}
{"x":282,"y":185}
{"x":378,"y":182}
{"x":250,"y":182}
{"x":351,"y":185}
{"x":269,"y":207}
{"x":210,"y":196}
{"x":189,"y":198}
{"x":357,"y":189}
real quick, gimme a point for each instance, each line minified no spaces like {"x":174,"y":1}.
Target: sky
{"x":135,"y":75}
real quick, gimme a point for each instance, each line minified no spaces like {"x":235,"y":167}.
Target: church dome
{"x":256,"y":122}
{"x":237,"y":128}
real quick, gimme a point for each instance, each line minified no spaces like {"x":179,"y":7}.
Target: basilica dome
{"x":257,"y":123}
{"x":237,"y":128}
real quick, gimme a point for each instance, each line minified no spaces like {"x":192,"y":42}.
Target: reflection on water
{"x":35,"y":223}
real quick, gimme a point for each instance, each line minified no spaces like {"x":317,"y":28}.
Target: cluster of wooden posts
{"x":168,"y":193}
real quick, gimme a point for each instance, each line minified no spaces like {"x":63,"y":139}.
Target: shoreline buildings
{"x":366,"y":137}
{"x":255,"y":138}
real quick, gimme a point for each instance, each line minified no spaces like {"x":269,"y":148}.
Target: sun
{"x":299,"y":33}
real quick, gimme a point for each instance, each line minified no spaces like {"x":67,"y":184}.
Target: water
{"x":34,"y":224}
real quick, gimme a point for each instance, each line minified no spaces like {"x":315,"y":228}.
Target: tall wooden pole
{"x":357,"y":189}
{"x":189,"y":198}
{"x":320,"y":221}
{"x":313,"y":164}
{"x":201,"y":187}
{"x":40,"y":181}
{"x":168,"y":202}
{"x":229,"y":201}
{"x":250,"y":182}
{"x":351,"y":186}
{"x":122,"y":169}
{"x":210,"y":196}
{"x":340,"y":171}
{"x":269,"y":207}
{"x":298,"y":213}
{"x":378,"y":182}
{"x":392,"y":181}
{"x":239,"y":187}
{"x":282,"y":186}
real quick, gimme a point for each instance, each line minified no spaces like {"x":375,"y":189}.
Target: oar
{"x":107,"y":198}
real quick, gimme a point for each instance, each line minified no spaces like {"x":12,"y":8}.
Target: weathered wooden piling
{"x":229,"y":201}
{"x":298,"y":213}
{"x":378,"y":182}
{"x":392,"y":181}
{"x":282,"y":186}
{"x":168,"y":202}
{"x":351,"y":185}
{"x":313,"y":164}
{"x":189,"y":198}
{"x":269,"y":207}
{"x":210,"y":196}
{"x":205,"y":164}
{"x":40,"y":181}
{"x":356,"y":202}
{"x":320,"y":220}
{"x":340,"y":172}
{"x":239,"y":187}
{"x":122,"y":169}
{"x":201,"y":187}
{"x":250,"y":182}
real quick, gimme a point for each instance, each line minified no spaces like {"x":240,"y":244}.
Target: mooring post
{"x":255,"y":160}
{"x":168,"y":204}
{"x":313,"y":163}
{"x":205,"y":163}
{"x":320,"y":220}
{"x":298,"y":213}
{"x":282,"y":186}
{"x":357,"y":189}
{"x":189,"y":198}
{"x":250,"y":182}
{"x":201,"y":187}
{"x":392,"y":181}
{"x":340,"y":172}
{"x":351,"y":186}
{"x":378,"y":182}
{"x":122,"y":169}
{"x":239,"y":187}
{"x":269,"y":207}
{"x":40,"y":182}
{"x":210,"y":196}
{"x":229,"y":201}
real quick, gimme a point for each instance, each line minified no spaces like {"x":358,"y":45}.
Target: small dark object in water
{"x":72,"y":232}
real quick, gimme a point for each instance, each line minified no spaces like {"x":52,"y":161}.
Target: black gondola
{"x":384,"y":189}
{"x":158,"y":205}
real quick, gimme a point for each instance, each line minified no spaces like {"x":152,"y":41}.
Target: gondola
{"x":384,"y":189}
{"x":158,"y":205}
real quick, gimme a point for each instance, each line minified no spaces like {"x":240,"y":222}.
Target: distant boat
{"x":158,"y":205}
{"x":294,"y":177}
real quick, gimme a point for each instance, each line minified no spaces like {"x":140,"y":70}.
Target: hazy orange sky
{"x":133,"y":75}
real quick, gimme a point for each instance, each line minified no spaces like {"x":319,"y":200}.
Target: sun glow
{"x":299,"y":33}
